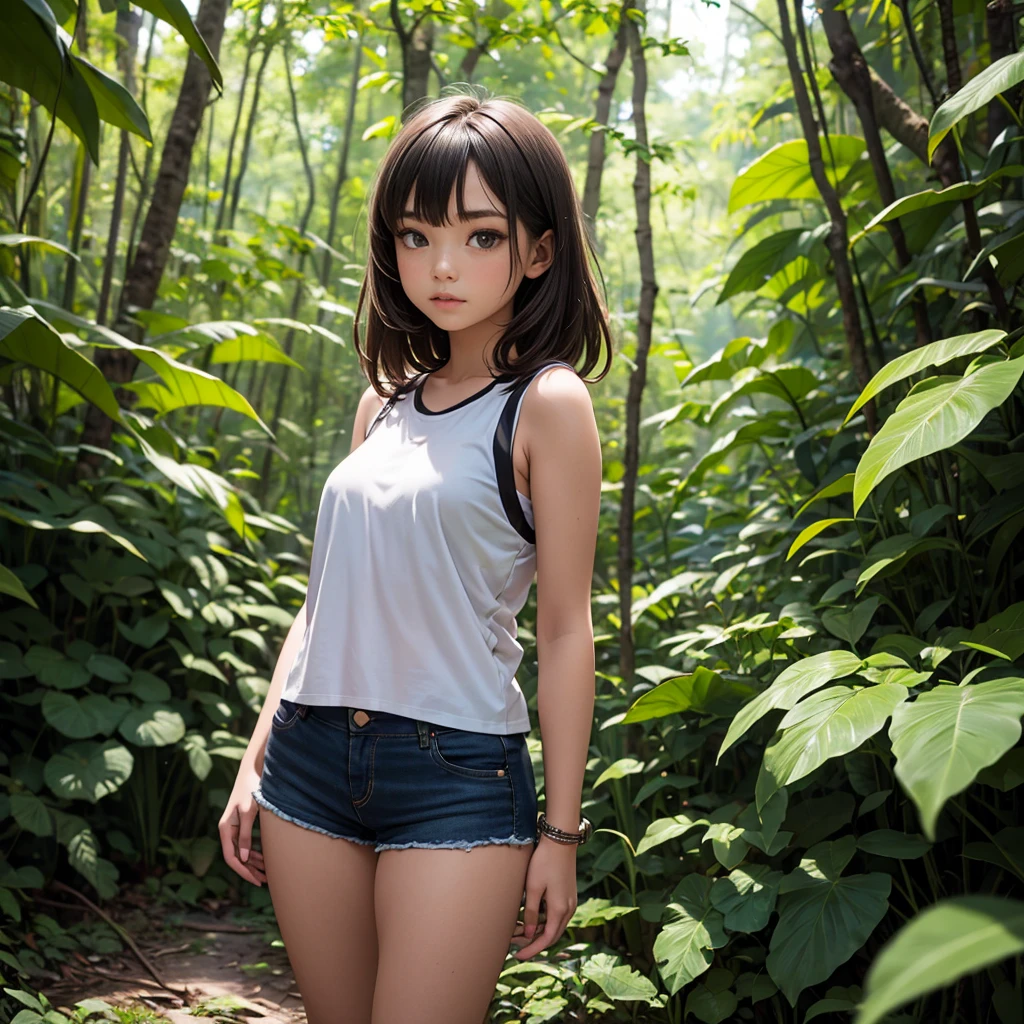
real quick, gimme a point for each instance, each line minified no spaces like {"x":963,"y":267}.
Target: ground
{"x":206,"y":961}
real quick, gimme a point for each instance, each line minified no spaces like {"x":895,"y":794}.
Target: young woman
{"x":394,"y":722}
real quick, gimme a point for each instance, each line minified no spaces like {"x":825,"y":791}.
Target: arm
{"x":235,"y":824}
{"x":565,"y":485}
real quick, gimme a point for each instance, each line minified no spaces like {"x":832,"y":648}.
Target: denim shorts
{"x":392,"y":782}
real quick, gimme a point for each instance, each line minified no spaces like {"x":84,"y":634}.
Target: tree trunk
{"x":605,"y":93}
{"x":128,"y":23}
{"x":837,"y":238}
{"x":250,"y":124}
{"x":229,"y":165}
{"x":999,"y":26}
{"x":850,"y":70}
{"x":417,"y":58}
{"x":143,"y":278}
{"x":638,"y":377}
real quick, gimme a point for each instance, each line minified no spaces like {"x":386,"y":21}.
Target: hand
{"x":235,"y":828}
{"x":551,"y":875}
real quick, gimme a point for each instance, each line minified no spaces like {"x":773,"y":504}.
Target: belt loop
{"x":423,"y":728}
{"x":303,"y":710}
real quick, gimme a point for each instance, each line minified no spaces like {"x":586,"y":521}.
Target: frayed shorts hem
{"x":448,"y":844}
{"x":267,"y":805}
{"x":456,"y":844}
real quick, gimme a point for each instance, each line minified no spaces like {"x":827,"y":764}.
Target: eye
{"x":404,"y":236}
{"x":488,"y":239}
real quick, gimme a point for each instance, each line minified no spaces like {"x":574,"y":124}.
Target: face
{"x":458,"y":274}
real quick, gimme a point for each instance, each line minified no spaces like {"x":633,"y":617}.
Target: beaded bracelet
{"x":544,"y":827}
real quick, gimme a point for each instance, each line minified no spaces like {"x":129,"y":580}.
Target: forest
{"x":805,"y":765}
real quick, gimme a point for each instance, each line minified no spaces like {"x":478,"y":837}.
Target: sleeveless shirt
{"x":423,"y":555}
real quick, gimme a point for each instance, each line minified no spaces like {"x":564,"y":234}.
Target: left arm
{"x":564,"y":452}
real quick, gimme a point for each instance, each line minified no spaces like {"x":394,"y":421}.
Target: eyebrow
{"x":469,"y":215}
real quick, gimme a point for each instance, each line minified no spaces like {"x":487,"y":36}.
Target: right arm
{"x":235,"y":824}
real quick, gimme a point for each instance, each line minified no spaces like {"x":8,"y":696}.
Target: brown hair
{"x":556,"y":316}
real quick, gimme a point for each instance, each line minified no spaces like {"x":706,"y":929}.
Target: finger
{"x":229,"y":850}
{"x":244,"y":841}
{"x":545,"y":939}
{"x":531,"y":911}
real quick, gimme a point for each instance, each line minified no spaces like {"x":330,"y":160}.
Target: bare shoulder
{"x":558,"y":400}
{"x":369,"y":405}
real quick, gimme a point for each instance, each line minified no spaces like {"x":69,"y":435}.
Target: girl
{"x":394,"y":721}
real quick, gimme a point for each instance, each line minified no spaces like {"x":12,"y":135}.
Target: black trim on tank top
{"x":503,"y":467}
{"x":420,"y":407}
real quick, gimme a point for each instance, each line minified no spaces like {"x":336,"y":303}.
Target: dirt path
{"x":206,"y":962}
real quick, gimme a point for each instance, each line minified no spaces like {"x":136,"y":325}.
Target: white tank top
{"x":422,"y":558}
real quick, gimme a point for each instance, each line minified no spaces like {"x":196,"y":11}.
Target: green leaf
{"x":812,"y":531}
{"x":619,"y":770}
{"x":1000,"y":76}
{"x":152,"y":725}
{"x":31,"y":813}
{"x":693,"y":928}
{"x":81,"y":718}
{"x":35,"y":58}
{"x":933,"y":419}
{"x":945,"y":737}
{"x":823,"y":918}
{"x":114,"y":103}
{"x":852,"y":624}
{"x":175,"y":13}
{"x":664,"y":829}
{"x":844,"y":485}
{"x":791,"y":686}
{"x":25,"y":337}
{"x":767,"y":257}
{"x":936,"y":354}
{"x":784,"y":171}
{"x":89,"y":771}
{"x":597,"y":911}
{"x":899,"y":845}
{"x":703,"y":691}
{"x":84,"y":857}
{"x":258,"y":349}
{"x":618,"y":981}
{"x":942,"y":944}
{"x":826,"y":724}
{"x":711,"y":1007}
{"x":747,"y":897}
{"x":11,"y":585}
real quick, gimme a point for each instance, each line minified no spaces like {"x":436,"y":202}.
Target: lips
{"x":445,"y":297}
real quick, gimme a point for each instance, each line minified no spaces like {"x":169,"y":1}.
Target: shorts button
{"x":360,"y":718}
{"x":501,"y":771}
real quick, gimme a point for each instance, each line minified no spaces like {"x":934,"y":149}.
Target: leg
{"x":322,"y":891}
{"x":445,"y":920}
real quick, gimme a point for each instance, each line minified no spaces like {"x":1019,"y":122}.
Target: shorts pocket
{"x":474,"y":755}
{"x":286,"y":715}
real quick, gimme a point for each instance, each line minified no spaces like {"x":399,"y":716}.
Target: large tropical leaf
{"x":947,"y":941}
{"x":823,"y":918}
{"x":88,"y":771}
{"x":932,"y":419}
{"x":935,"y":354}
{"x":692,"y":930}
{"x":998,"y":77}
{"x":945,"y":737}
{"x":826,"y":724}
{"x":175,"y":13}
{"x":114,"y":103}
{"x":25,"y":337}
{"x":768,"y":256}
{"x":33,"y":57}
{"x":792,"y":685}
{"x":784,"y":171}
{"x":702,"y":691}
{"x":747,"y":897}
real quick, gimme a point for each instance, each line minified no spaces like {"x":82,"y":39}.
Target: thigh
{"x":322,"y":891}
{"x":445,"y":920}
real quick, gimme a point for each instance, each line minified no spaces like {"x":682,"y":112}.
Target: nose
{"x":444,"y":270}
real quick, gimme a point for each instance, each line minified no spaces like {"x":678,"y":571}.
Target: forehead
{"x":475,"y":195}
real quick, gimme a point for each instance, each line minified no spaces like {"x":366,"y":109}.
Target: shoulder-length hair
{"x":556,"y":316}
